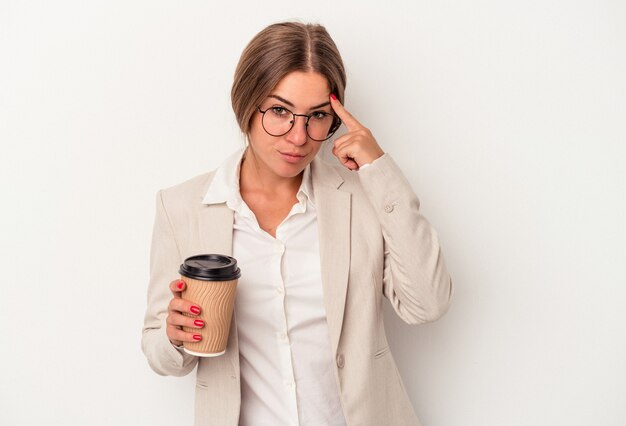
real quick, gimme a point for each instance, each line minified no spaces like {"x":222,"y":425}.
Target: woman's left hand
{"x":358,"y":146}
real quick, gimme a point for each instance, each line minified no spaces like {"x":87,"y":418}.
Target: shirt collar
{"x":224,"y":187}
{"x":306,"y":187}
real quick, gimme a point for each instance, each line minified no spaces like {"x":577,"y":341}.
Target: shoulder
{"x":188,"y":192}
{"x":381,"y":172}
{"x":335,"y":175}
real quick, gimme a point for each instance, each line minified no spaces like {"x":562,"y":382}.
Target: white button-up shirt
{"x":286,"y":359}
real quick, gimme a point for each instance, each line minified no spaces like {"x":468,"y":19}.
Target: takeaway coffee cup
{"x":211,"y":283}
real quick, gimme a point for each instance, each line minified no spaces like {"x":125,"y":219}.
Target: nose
{"x":297,"y":135}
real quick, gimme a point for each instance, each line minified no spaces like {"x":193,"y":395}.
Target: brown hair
{"x":277,"y":51}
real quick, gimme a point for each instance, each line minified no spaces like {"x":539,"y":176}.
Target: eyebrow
{"x":293,"y":106}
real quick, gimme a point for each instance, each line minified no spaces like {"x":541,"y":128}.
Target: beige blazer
{"x":374,"y":242}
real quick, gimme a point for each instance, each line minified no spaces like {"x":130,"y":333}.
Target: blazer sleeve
{"x":415,"y":278}
{"x":165,"y":259}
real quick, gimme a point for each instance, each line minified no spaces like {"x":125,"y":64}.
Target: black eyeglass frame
{"x":333,"y":128}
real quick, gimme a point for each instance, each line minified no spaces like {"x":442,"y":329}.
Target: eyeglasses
{"x":319,"y":126}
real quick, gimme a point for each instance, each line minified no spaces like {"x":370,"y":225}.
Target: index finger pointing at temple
{"x":345,"y":116}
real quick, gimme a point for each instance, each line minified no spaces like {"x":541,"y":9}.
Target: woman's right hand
{"x":176,"y":320}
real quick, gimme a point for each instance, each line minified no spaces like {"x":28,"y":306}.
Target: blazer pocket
{"x":382,"y":352}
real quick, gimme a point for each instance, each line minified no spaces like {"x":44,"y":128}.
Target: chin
{"x":289,"y":171}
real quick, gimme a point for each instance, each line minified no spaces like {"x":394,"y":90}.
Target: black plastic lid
{"x":210,"y":267}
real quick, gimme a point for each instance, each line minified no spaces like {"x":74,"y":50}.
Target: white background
{"x":508,"y":118}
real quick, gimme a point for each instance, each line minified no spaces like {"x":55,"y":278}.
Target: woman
{"x":318,"y":246}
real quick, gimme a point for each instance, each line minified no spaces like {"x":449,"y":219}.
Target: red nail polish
{"x":199,"y":323}
{"x":180,"y":285}
{"x":194,"y":310}
{"x":197,"y":337}
{"x":332,"y":95}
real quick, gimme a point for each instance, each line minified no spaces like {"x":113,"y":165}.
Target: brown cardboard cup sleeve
{"x":211,"y":284}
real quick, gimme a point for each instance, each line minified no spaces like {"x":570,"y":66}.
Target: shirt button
{"x":389,"y":208}
{"x":280,"y":290}
{"x":283,"y":336}
{"x":340,"y":361}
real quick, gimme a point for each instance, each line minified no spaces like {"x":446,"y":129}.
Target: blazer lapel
{"x":215,"y":229}
{"x":215,"y":235}
{"x":333,"y":218}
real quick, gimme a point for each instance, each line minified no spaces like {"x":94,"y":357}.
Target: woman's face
{"x":286,"y":156}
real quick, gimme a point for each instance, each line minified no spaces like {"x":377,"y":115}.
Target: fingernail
{"x":197,"y":337}
{"x":199,"y":323}
{"x":332,"y":95}
{"x":195,"y":310}
{"x":180,"y":285}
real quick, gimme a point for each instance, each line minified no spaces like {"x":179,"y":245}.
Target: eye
{"x":279,"y":111}
{"x":319,"y":115}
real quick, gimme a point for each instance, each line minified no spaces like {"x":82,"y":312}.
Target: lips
{"x":292,"y":157}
